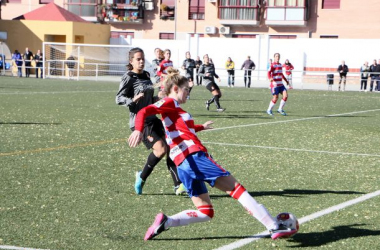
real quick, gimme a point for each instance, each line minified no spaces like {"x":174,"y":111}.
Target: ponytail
{"x":173,"y":78}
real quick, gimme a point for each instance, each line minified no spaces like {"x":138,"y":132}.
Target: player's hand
{"x":138,"y":97}
{"x":207,"y":125}
{"x":135,"y":138}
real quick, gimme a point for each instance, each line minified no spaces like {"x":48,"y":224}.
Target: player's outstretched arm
{"x":135,"y":138}
{"x":207,"y":125}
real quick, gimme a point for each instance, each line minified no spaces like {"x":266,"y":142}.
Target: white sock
{"x":257,"y":210}
{"x":185,"y":218}
{"x":271,"y":104}
{"x":282,"y":104}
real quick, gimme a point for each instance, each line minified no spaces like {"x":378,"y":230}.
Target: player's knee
{"x":207,"y":210}
{"x":285,"y":98}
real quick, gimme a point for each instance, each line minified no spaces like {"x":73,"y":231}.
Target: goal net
{"x":85,"y":61}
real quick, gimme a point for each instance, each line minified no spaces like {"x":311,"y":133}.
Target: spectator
{"x":28,"y":56}
{"x":17,"y":58}
{"x":342,"y":69}
{"x":198,"y":63}
{"x":2,"y":62}
{"x":70,"y":65}
{"x":230,"y":66}
{"x":249,"y":66}
{"x":377,"y":70}
{"x":372,"y":68}
{"x":38,"y":59}
{"x":364,"y":76}
{"x":288,"y":72}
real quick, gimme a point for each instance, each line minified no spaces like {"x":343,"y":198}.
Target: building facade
{"x":170,"y":19}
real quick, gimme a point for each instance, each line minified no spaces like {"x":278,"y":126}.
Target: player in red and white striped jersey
{"x":275,"y":76}
{"x":194,"y":165}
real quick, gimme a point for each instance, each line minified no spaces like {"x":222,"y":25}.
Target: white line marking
{"x":292,"y":149}
{"x":305,"y":219}
{"x":19,"y":248}
{"x":294,"y":120}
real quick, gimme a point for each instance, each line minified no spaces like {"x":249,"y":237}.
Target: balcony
{"x":123,"y":13}
{"x":167,"y":12}
{"x":286,"y":16}
{"x":238,"y":15}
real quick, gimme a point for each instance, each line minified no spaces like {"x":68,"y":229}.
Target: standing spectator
{"x":288,"y":72}
{"x":38,"y":59}
{"x":70,"y":65}
{"x":28,"y":56}
{"x":372,"y":68}
{"x":364,"y":76}
{"x":342,"y":69}
{"x":17,"y":58}
{"x":198,"y":63}
{"x":230,"y":66}
{"x":156,"y":63}
{"x":377,"y":70}
{"x":249,"y":66}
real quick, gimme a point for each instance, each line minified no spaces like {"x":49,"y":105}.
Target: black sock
{"x":217,"y":101}
{"x":173,"y":171}
{"x":190,"y":88}
{"x":211,"y":100}
{"x":151,"y":162}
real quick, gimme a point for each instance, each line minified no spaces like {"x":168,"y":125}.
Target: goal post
{"x":84,"y":61}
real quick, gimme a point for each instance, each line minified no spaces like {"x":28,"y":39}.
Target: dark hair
{"x":276,"y":54}
{"x":173,"y":78}
{"x":131,"y":55}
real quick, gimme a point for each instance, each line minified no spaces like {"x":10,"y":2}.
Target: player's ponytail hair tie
{"x":173,"y":78}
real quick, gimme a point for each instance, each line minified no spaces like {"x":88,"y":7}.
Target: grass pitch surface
{"x":67,"y":174}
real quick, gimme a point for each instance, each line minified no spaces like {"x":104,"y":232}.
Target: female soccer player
{"x":136,"y":92}
{"x":195,"y":165}
{"x":288,"y":72}
{"x":275,"y":76}
{"x":164,"y":65}
{"x":156,"y":63}
{"x":189,"y":65}
{"x":207,"y":72}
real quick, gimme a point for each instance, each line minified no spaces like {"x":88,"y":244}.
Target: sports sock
{"x":255,"y":209}
{"x":217,"y":101}
{"x":271,"y":104}
{"x":282,"y":104}
{"x":151,"y":162}
{"x":186,"y":217}
{"x":173,"y":171}
{"x":211,"y":100}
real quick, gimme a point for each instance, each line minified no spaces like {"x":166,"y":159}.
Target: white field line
{"x":56,"y":92}
{"x":19,"y":248}
{"x":294,"y":120}
{"x":243,"y":242}
{"x":292,"y":149}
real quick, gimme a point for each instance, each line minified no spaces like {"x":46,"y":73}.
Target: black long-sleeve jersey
{"x":207,"y":68}
{"x":189,"y":65}
{"x":131,"y":85}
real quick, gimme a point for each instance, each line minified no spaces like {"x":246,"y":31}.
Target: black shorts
{"x":212,"y":86}
{"x":152,"y":133}
{"x":190,"y":77}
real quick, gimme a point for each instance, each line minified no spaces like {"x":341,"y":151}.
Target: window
{"x":167,"y":9}
{"x":117,"y":34}
{"x":46,"y":1}
{"x":196,"y":9}
{"x":82,"y":7}
{"x":243,"y":36}
{"x":330,"y":4}
{"x":283,"y":36}
{"x":13,"y":1}
{"x":238,"y":9}
{"x":329,"y":36}
{"x":287,"y":3}
{"x":199,"y":35}
{"x":167,"y":36}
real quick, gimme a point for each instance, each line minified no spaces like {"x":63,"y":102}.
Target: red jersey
{"x":275,"y":73}
{"x":288,"y":68}
{"x":179,"y":128}
{"x":164,"y":64}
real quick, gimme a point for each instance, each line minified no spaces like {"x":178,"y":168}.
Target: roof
{"x":51,"y":12}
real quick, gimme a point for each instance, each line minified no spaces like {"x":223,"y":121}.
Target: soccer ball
{"x":288,"y":220}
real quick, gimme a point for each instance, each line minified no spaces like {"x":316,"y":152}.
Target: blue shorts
{"x":278,"y":90}
{"x":197,"y":169}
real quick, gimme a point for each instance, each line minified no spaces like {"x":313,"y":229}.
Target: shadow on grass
{"x":290,"y":193}
{"x":30,"y":123}
{"x":215,"y":114}
{"x":317,"y":239}
{"x":209,"y":238}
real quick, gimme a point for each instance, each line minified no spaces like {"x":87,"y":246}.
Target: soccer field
{"x":67,"y":174}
